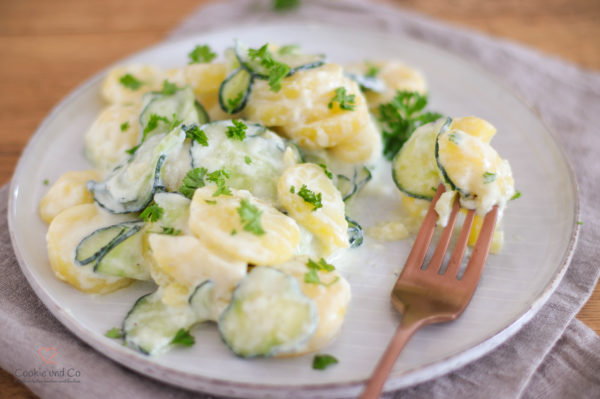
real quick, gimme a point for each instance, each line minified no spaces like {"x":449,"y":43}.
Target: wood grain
{"x":49,"y":47}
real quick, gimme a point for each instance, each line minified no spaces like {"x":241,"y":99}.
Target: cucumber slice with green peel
{"x":355,"y":233}
{"x":151,"y":325}
{"x":95,"y":245}
{"x":235,"y":91}
{"x":345,"y":186}
{"x":176,"y":211}
{"x":201,"y":300}
{"x":365,"y":82}
{"x":293,"y":59}
{"x":268,"y":315}
{"x":181,"y":104}
{"x":131,"y":186}
{"x":126,"y":258}
{"x":414,"y":168}
{"x":254,"y":163}
{"x":362,"y":175}
{"x":231,"y":61}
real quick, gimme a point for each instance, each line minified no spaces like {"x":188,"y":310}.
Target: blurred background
{"x":47,"y":48}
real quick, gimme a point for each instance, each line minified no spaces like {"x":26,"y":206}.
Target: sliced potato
{"x":115,"y":92}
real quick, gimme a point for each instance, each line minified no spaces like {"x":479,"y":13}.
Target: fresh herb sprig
{"x":322,"y":361}
{"x":276,"y":70}
{"x":201,"y":54}
{"x":183,"y":338}
{"x":131,"y":82}
{"x":237,"y":131}
{"x":345,"y":101}
{"x":219,"y":177}
{"x":312,"y":276}
{"x":152,"y":213}
{"x":400,"y":117}
{"x":309,"y":196}
{"x":193,"y":180}
{"x":250,"y":217}
{"x":194,"y":133}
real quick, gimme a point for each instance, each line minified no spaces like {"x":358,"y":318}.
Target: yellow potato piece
{"x":205,"y":78}
{"x":497,"y":238}
{"x":189,"y":262}
{"x":66,"y":232}
{"x":475,"y":127}
{"x":327,"y":223}
{"x":363,"y":147}
{"x":114,"y":92}
{"x":331,"y":301}
{"x":68,"y":191}
{"x":220,"y":227}
{"x":106,"y":141}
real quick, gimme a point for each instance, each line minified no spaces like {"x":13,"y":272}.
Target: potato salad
{"x":229,"y":184}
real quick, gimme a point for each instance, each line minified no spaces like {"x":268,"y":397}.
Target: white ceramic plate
{"x":540,"y":230}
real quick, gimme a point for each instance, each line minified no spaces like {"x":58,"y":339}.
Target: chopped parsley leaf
{"x":248,"y":160}
{"x":168,"y":88}
{"x":250,"y":217}
{"x":218,"y":177}
{"x":194,"y":133}
{"x":489,"y":177}
{"x":152,"y":213}
{"x":516,"y":195}
{"x":322,"y":361}
{"x":46,"y":182}
{"x":285,"y":5}
{"x":124,"y":126}
{"x":114,"y":332}
{"x":345,"y":101}
{"x":579,"y":222}
{"x":233,"y":232}
{"x":130,"y":81}
{"x":201,"y":54}
{"x":211,"y":202}
{"x":292,"y":189}
{"x":233,"y":103}
{"x":310,"y":197}
{"x":153,"y":124}
{"x":171,"y":231}
{"x":312,"y":276}
{"x":237,"y":131}
{"x":193,"y":180}
{"x":276,"y":70}
{"x":372,"y":69}
{"x":321,"y":265}
{"x":400,"y":117}
{"x":327,"y":171}
{"x":184,"y":338}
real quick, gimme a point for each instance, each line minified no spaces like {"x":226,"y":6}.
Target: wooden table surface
{"x":49,"y":47}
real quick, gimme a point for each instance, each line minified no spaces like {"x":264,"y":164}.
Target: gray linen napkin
{"x":553,"y":356}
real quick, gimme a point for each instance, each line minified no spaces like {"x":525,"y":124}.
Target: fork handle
{"x":387,"y":361}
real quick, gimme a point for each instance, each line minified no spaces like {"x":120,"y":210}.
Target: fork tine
{"x":482,"y":248}
{"x":438,"y":256}
{"x":419,"y":249}
{"x":461,"y":245}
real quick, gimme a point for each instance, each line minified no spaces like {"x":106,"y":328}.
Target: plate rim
{"x":416,"y":375}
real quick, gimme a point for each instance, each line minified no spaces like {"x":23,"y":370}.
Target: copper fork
{"x":427,"y":296}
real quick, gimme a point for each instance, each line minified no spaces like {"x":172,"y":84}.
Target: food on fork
{"x":233,"y":186}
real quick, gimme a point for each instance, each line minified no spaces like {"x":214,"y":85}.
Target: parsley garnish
{"x":233,"y":103}
{"x":211,"y":202}
{"x":218,"y":177}
{"x":276,"y":70}
{"x":372,"y":69}
{"x":516,"y":195}
{"x":194,"y":133}
{"x":579,"y":222}
{"x":183,"y":337}
{"x":400,"y":117}
{"x":250,"y":217}
{"x":322,"y":361}
{"x":489,"y":177}
{"x":129,"y":81}
{"x":345,"y":101}
{"x":201,"y":54}
{"x":171,"y":231}
{"x":153,"y":124}
{"x":124,"y":126}
{"x":193,"y":179}
{"x":248,"y":160}
{"x":285,"y":5}
{"x":152,"y":213}
{"x":327,"y":171}
{"x":292,"y":189}
{"x":237,"y":131}
{"x":114,"y":332}
{"x":312,"y":276}
{"x":46,"y":182}
{"x":310,"y":197}
{"x":168,"y":88}
{"x":233,"y":232}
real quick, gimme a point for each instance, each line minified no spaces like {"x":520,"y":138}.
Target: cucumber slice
{"x":235,"y":91}
{"x":176,"y":211}
{"x":355,"y":233}
{"x":151,"y":325}
{"x":345,"y":186}
{"x":126,"y":258}
{"x":268,"y":315}
{"x":182,"y":103}
{"x":231,"y":60}
{"x":368,"y":82}
{"x":362,"y":175}
{"x":254,"y":164}
{"x":294,"y":59}
{"x":201,"y":300}
{"x":131,"y":186}
{"x":414,"y":168}
{"x":100,"y":241}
